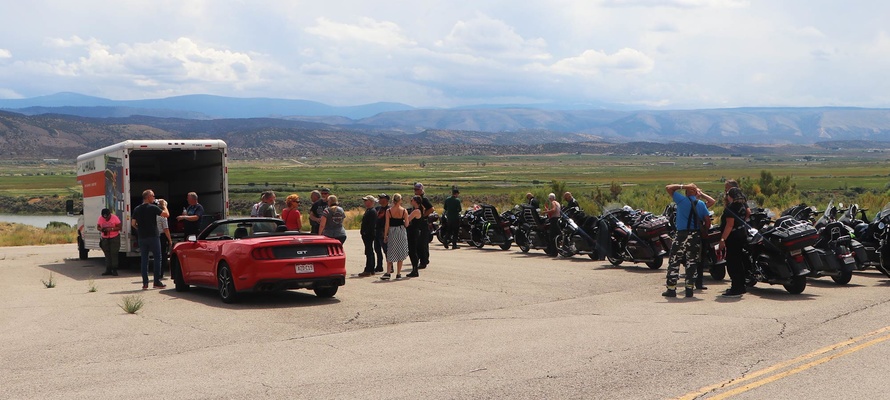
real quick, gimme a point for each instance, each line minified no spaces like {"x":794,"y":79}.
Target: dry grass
{"x":26,"y":235}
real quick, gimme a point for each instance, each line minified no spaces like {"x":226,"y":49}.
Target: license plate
{"x":305,"y":268}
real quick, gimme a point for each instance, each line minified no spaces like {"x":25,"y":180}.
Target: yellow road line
{"x":806,"y":366}
{"x":784,"y":364}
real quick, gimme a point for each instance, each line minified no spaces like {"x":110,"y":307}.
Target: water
{"x":39,"y":221}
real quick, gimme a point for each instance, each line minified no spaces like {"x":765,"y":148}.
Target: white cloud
{"x":368,"y":30}
{"x":492,"y":38}
{"x":593,"y":62}
{"x":809,"y":32}
{"x":676,"y":3}
{"x":5,"y":53}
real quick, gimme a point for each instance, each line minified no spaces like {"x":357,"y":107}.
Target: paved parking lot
{"x":476,"y":324}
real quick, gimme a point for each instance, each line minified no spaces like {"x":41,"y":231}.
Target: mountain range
{"x":311,"y":125}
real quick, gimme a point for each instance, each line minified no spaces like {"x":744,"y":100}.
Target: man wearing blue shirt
{"x":692,"y":216}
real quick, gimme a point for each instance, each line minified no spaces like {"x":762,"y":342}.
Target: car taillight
{"x":335,"y":250}
{"x":263,"y":253}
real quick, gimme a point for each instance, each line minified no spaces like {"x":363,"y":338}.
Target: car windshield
{"x":239,"y":229}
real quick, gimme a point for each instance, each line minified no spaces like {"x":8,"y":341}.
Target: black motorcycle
{"x":492,"y":228}
{"x":647,"y":241}
{"x":435,"y":226}
{"x":577,"y":234}
{"x":467,"y":221}
{"x":533,"y":231}
{"x":779,"y":254}
{"x":872,"y":235}
{"x":834,"y":245}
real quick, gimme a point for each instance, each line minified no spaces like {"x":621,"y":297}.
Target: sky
{"x":668,"y":54}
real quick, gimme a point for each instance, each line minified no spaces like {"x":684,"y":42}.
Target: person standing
{"x":369,"y":234}
{"x":692,"y":216}
{"x":700,"y":274}
{"x":570,"y":201}
{"x":145,"y":221}
{"x":532,"y":201}
{"x":452,"y":217}
{"x":267,"y":208}
{"x":319,"y":205}
{"x":331,"y":224}
{"x":191,"y":215}
{"x":733,"y":239}
{"x":413,"y":222}
{"x":379,"y":243}
{"x":395,"y":237}
{"x":290,"y":214}
{"x":109,"y":225}
{"x":314,"y":212}
{"x":553,"y":211}
{"x":164,"y":237}
{"x":423,"y":227}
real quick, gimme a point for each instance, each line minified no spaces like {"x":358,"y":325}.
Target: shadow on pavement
{"x":79,"y":270}
{"x":247,"y":301}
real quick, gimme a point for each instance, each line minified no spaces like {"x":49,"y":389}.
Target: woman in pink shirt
{"x":109,"y":225}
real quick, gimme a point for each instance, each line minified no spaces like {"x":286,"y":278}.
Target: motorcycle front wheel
{"x":522,"y":242}
{"x":614,"y":261}
{"x":440,"y":235}
{"x":843,"y":278}
{"x":561,"y":248}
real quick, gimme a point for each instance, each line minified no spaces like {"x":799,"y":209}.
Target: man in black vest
{"x":423,"y":241}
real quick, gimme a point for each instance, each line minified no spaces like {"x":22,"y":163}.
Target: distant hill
{"x":487,"y":124}
{"x":206,"y":105}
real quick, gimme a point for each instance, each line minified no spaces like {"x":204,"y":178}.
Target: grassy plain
{"x":504,"y":179}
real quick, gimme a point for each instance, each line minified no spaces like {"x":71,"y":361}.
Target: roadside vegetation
{"x":27,"y":235}
{"x":775,"y":181}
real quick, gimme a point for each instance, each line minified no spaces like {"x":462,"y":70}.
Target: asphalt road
{"x":476,"y":324}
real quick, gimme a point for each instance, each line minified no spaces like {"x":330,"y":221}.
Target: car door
{"x":204,"y":255}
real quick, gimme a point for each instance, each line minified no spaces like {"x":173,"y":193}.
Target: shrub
{"x":132,"y":303}
{"x":49,"y":282}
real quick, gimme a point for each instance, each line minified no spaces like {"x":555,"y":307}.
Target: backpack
{"x":255,"y":210}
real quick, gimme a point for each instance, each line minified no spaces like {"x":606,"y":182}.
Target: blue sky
{"x":640,"y":53}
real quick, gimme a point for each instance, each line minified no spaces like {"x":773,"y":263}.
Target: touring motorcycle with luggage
{"x":872,"y":235}
{"x":834,"y":246}
{"x":578,"y":232}
{"x":467,"y":221}
{"x":780,"y":254}
{"x":647,"y":240}
{"x":533,"y":231}
{"x":492,"y":228}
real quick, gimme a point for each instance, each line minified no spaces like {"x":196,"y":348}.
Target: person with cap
{"x":423,"y":227}
{"x":109,"y":225}
{"x":379,"y":243}
{"x":532,"y":201}
{"x":452,"y":218}
{"x":314,"y":197}
{"x":369,"y":234}
{"x":318,"y":206}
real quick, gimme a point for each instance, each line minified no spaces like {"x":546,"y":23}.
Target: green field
{"x":503,"y":180}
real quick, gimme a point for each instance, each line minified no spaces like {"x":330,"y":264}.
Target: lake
{"x":39,"y":221}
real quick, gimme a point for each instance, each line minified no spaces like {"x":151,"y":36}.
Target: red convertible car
{"x":257,"y":254}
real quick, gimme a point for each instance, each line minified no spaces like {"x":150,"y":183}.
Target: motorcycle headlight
{"x":881,"y":225}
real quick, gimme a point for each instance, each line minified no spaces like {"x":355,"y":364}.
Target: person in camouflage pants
{"x":692,"y":216}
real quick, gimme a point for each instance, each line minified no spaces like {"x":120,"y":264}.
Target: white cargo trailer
{"x":115,"y":176}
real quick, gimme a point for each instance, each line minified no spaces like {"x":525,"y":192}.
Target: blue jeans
{"x":152,"y":244}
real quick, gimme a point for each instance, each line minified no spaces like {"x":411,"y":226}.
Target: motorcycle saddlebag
{"x":815,"y":260}
{"x":652,"y":227}
{"x":794,"y":235}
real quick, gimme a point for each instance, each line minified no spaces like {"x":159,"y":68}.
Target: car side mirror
{"x":192,"y":238}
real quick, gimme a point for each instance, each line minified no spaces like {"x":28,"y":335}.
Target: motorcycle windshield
{"x":884,"y":213}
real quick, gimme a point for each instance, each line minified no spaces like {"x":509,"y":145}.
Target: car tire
{"x":326,"y":292}
{"x":176,"y":273}
{"x":226,"y":283}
